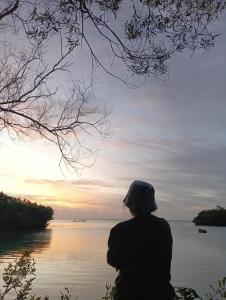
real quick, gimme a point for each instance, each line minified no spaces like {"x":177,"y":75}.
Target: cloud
{"x":203,"y":161}
{"x":81,"y":183}
{"x":6,"y":173}
{"x":33,"y":197}
{"x":189,"y":173}
{"x":93,"y":206}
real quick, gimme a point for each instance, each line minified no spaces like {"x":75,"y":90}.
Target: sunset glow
{"x":170,"y":133}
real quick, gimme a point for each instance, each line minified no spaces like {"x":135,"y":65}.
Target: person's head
{"x":140,"y":198}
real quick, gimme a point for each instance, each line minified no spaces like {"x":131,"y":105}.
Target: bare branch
{"x":143,"y":35}
{"x":9,"y":10}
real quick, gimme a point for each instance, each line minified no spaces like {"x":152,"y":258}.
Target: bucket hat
{"x":141,"y":197}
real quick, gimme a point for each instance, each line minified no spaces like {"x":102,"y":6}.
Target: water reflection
{"x":12,"y":242}
{"x":73,"y":255}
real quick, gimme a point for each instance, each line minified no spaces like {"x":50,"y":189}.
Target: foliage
{"x":211,"y":217}
{"x":141,"y":35}
{"x":110,"y":292}
{"x":22,"y":214}
{"x":217,"y":293}
{"x":18,"y":278}
{"x":183,"y":293}
{"x":152,"y":31}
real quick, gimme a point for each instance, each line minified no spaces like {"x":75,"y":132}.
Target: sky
{"x":170,"y":133}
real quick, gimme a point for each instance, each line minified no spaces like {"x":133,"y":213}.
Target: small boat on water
{"x":202,"y":230}
{"x":79,"y":220}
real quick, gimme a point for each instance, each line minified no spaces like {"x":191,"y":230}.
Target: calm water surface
{"x":73,"y":255}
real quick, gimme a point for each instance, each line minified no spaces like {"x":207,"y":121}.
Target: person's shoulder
{"x":122,"y":225}
{"x":161,"y":221}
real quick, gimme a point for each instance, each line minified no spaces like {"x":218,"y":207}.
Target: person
{"x":141,"y":249}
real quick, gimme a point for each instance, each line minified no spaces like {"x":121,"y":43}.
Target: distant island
{"x":211,"y":217}
{"x":17,"y":214}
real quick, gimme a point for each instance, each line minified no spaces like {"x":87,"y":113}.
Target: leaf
{"x":224,"y":281}
{"x":211,"y":286}
{"x":55,"y":29}
{"x":219,"y":283}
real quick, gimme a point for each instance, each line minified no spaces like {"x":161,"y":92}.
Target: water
{"x":73,"y":255}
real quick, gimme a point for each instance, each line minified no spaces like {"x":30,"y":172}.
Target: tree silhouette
{"x":143,"y":35}
{"x":211,"y":217}
{"x":17,"y":214}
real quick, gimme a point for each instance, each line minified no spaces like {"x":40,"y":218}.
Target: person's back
{"x":141,"y":249}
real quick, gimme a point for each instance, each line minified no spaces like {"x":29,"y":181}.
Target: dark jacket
{"x":141,"y":249}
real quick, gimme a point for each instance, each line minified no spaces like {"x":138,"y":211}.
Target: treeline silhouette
{"x":17,"y":214}
{"x":211,"y":217}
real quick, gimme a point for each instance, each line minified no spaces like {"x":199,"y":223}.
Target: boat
{"x":202,"y":230}
{"x":79,"y":220}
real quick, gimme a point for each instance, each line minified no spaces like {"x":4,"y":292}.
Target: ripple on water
{"x":73,"y":255}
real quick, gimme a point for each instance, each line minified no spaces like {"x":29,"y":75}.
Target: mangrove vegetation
{"x":211,"y":217}
{"x":17,"y":214}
